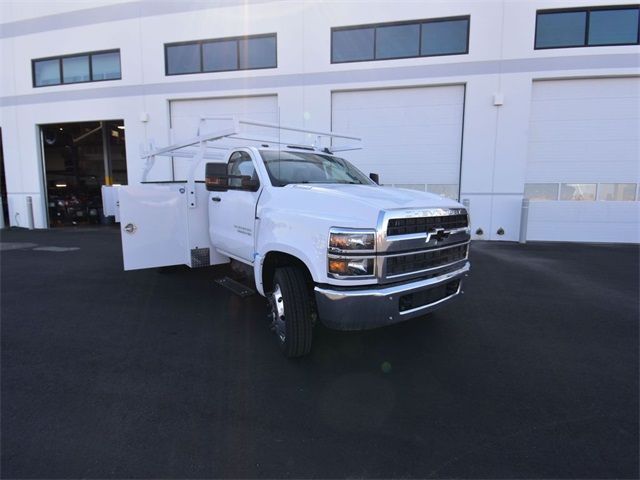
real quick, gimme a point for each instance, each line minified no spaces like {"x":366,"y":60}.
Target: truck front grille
{"x":404,"y":226}
{"x":428,"y":297}
{"x":415,"y":262}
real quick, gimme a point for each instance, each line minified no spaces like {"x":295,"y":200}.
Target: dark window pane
{"x":444,"y":38}
{"x":47,"y":72}
{"x":183,"y":58}
{"x":105,"y":66}
{"x":257,"y":52}
{"x":352,"y":45}
{"x":397,"y":41}
{"x":219,"y":56}
{"x":565,"y":29}
{"x":611,"y":27}
{"x":75,"y":69}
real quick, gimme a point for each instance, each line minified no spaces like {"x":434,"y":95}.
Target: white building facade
{"x":487,"y":101}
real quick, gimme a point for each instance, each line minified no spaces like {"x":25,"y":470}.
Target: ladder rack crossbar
{"x":287,"y":128}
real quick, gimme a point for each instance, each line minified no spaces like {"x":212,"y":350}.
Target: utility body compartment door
{"x":153,"y":225}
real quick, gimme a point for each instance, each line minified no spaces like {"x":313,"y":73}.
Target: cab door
{"x":232,"y":213}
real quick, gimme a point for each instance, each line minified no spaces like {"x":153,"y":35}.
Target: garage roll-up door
{"x":186,"y":115}
{"x":583,"y":163}
{"x":412,"y":136}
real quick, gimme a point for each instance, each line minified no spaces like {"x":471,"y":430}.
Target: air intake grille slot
{"x":414,"y":262}
{"x":404,"y":226}
{"x":428,"y":297}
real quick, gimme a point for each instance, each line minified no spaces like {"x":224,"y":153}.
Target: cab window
{"x":240,"y":163}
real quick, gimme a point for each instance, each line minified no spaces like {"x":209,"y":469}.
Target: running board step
{"x":236,"y":287}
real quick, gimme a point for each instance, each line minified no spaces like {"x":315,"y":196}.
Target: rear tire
{"x":292,"y":311}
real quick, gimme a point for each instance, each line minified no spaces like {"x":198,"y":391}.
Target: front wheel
{"x":291,"y":311}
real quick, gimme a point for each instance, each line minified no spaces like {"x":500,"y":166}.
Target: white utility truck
{"x":313,"y":234}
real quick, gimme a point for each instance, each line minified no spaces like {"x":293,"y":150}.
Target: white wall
{"x":501,"y":60}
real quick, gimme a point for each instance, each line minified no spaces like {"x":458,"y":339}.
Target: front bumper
{"x":360,"y":309}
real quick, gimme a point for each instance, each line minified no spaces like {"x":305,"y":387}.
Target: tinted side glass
{"x":352,"y":45}
{"x":257,"y":52}
{"x":47,"y":72}
{"x":397,"y":41}
{"x":218,"y":56}
{"x":565,"y":29}
{"x":444,"y":38}
{"x":240,"y":164}
{"x":613,"y":27}
{"x":75,"y":69}
{"x":183,"y":58}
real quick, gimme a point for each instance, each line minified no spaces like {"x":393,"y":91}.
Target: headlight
{"x":351,"y":267}
{"x":351,"y":253}
{"x":344,"y":240}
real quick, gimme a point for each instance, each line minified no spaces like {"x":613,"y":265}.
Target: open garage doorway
{"x":79,"y":158}
{"x":3,"y":188}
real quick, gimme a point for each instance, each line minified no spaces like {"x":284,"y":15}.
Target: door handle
{"x":216,"y":199}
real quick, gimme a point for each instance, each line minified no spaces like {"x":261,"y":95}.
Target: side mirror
{"x":375,"y":177}
{"x":216,"y":178}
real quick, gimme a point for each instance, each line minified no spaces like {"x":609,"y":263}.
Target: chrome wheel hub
{"x":277,"y":313}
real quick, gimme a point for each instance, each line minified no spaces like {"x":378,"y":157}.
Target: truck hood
{"x":356,"y":206}
{"x":297,"y":219}
{"x":380,"y":198}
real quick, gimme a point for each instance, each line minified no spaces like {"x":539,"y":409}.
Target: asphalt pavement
{"x":532,"y":373}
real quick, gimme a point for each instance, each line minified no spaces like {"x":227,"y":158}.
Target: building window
{"x":257,"y":52}
{"x":617,"y":192}
{"x":221,"y":55}
{"x":353,"y":45}
{"x":75,"y":69}
{"x":105,"y":66}
{"x":46,"y":72}
{"x":183,"y":59}
{"x":78,"y":68}
{"x":587,"y":27}
{"x":578,"y":191}
{"x":541,"y":191}
{"x":423,"y":38}
{"x":445,"y":38}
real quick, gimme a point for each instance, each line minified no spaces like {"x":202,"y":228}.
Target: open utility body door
{"x":153,"y":225}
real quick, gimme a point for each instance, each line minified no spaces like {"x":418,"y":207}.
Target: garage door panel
{"x":396,"y":116}
{"x":186,"y":115}
{"x":586,"y":89}
{"x":584,"y":131}
{"x":412,"y":136}
{"x":400,"y":97}
{"x":572,"y":109}
{"x":415,"y":136}
{"x":597,"y":157}
{"x":575,"y":131}
{"x":587,"y":221}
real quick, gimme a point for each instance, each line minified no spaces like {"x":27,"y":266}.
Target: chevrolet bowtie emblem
{"x":438,"y":233}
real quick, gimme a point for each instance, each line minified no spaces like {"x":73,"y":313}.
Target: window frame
{"x":397,"y":24}
{"x":588,"y":11}
{"x":59,"y":58}
{"x":202,"y":41}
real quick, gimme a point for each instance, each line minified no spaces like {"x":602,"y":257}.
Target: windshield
{"x":306,"y":167}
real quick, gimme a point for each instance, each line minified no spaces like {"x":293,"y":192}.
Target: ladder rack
{"x":205,"y":142}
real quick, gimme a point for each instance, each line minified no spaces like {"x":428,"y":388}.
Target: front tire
{"x":291,"y":311}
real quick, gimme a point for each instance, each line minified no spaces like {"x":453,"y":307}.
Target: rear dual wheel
{"x":292,"y":311}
